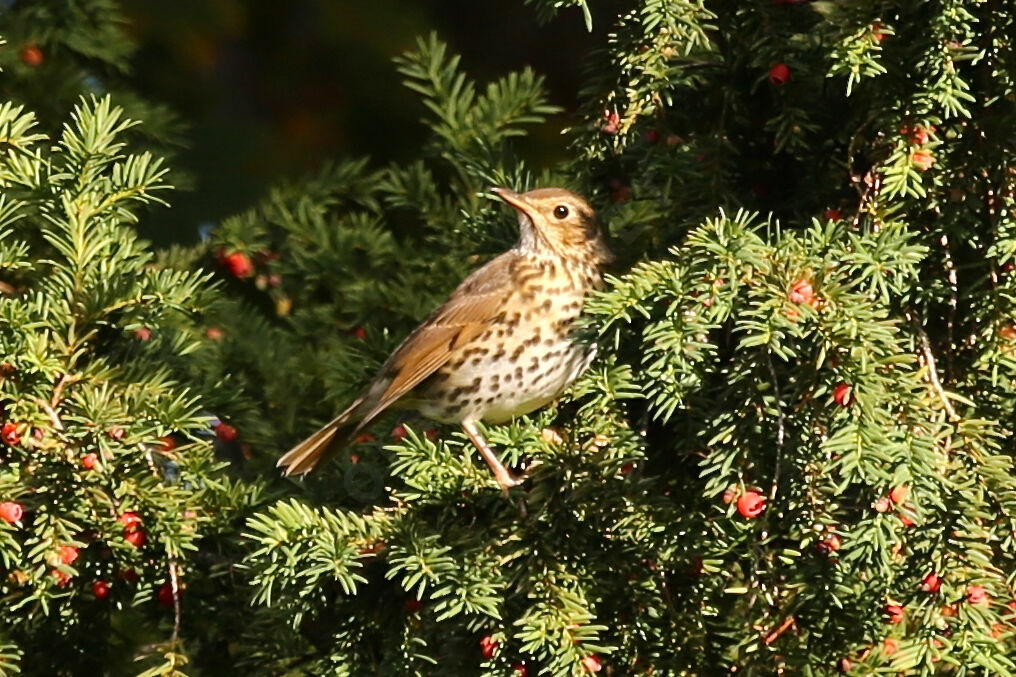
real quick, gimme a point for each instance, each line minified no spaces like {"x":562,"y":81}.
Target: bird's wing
{"x":467,"y":313}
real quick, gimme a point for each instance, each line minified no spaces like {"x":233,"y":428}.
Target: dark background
{"x":272,"y":89}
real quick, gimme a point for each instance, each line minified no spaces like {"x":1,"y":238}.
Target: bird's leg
{"x":501,"y":473}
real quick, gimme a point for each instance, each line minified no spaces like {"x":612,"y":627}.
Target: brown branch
{"x":51,"y":412}
{"x":65,"y":380}
{"x":775,"y":634}
{"x":936,"y":384}
{"x":950,"y":267}
{"x":174,"y":582}
{"x":174,"y":575}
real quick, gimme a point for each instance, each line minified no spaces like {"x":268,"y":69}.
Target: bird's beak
{"x":514,"y":199}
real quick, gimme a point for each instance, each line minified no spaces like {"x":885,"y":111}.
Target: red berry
{"x":922,"y":159}
{"x":651,"y":136}
{"x":592,"y":663}
{"x":843,"y":394}
{"x":360,"y":333}
{"x":89,"y":461}
{"x":779,"y":74}
{"x":129,"y":575}
{"x":62,"y":579}
{"x":226,"y":432}
{"x":751,"y":504}
{"x":801,"y":292}
{"x":488,"y":646}
{"x":918,"y":135}
{"x":627,"y":468}
{"x":877,"y":34}
{"x":130,"y":520}
{"x":612,"y":122}
{"x":831,"y":543}
{"x":214,"y":334}
{"x":238,"y":264}
{"x":68,"y":554}
{"x":882,"y":505}
{"x":116,"y":433}
{"x":9,"y":434}
{"x":167,"y":443}
{"x":932,"y":583}
{"x":620,"y":194}
{"x":894,"y":613}
{"x":520,"y":670}
{"x":136,"y":538}
{"x":100,"y":589}
{"x":413,"y":605}
{"x":977,"y":595}
{"x":1008,"y":333}
{"x":364,"y":438}
{"x":890,"y":646}
{"x":906,"y":521}
{"x":833,"y":214}
{"x":32,"y":56}
{"x":143,"y":333}
{"x":165,"y":595}
{"x":399,"y":433}
{"x":11,"y":512}
{"x":899,"y":494}
{"x":432,"y":434}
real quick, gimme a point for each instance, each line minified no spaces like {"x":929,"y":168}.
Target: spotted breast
{"x":527,"y":356}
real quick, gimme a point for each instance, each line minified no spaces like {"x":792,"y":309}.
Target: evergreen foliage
{"x":108,"y":475}
{"x":793,"y":452}
{"x":58,"y":50}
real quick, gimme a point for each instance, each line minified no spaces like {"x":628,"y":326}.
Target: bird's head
{"x":557,"y":221}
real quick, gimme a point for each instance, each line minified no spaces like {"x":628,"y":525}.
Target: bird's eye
{"x":560,"y":211}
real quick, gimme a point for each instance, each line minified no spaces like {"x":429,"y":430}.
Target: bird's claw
{"x":509,"y":481}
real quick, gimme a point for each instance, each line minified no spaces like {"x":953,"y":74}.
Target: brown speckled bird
{"x":501,"y":346}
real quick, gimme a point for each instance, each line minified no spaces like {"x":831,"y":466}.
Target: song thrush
{"x":501,"y":346}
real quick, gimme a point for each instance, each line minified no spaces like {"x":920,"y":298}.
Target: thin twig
{"x":780,"y":427}
{"x":174,"y":580}
{"x":64,"y":381}
{"x":665,"y":589}
{"x":775,"y":634}
{"x":151,"y":460}
{"x":936,"y":384}
{"x":174,"y":583}
{"x":950,"y":267}
{"x":53,"y":416}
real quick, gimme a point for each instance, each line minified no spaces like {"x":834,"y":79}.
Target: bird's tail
{"x":330,"y":439}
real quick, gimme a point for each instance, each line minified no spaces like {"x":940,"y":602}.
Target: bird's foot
{"x":509,"y":481}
